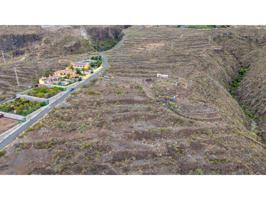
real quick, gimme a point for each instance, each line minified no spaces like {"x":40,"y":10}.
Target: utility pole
{"x":210,"y":39}
{"x":15,"y":69}
{"x":3,"y":55}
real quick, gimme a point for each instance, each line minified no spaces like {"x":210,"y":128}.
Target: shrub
{"x":79,"y":72}
{"x":236,"y":82}
{"x":46,"y":144}
{"x":48,"y":72}
{"x":2,"y":153}
{"x":198,"y":171}
{"x":92,"y":92}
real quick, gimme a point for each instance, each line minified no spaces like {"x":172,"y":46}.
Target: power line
{"x":15,"y":69}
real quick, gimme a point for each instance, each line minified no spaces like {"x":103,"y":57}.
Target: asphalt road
{"x":12,"y":135}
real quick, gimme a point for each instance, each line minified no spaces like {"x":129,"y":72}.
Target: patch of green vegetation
{"x":198,"y":171}
{"x":25,"y":133}
{"x":48,"y":72}
{"x":177,"y":150}
{"x":83,"y":127}
{"x":46,"y":144}
{"x":96,"y":61}
{"x":21,"y":106}
{"x":22,"y":146}
{"x":119,"y":92}
{"x":172,"y":105}
{"x":86,"y":146}
{"x":79,"y":72}
{"x":96,"y":58}
{"x":105,"y":44}
{"x":233,"y":90}
{"x":92,"y":92}
{"x":2,"y":153}
{"x":236,"y":82}
{"x":35,"y":127}
{"x":218,"y":161}
{"x":248,"y":113}
{"x":202,"y":26}
{"x":139,"y":88}
{"x":159,"y":130}
{"x":45,"y":92}
{"x":61,"y":154}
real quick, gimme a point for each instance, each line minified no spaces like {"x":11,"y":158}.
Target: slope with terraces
{"x":37,"y":50}
{"x":130,"y":122}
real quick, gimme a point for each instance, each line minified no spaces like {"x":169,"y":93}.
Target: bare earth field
{"x":130,"y":122}
{"x":6,"y":124}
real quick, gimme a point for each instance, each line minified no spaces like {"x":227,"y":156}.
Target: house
{"x":162,"y":75}
{"x":83,"y":65}
{"x":48,"y":80}
{"x":65,"y":72}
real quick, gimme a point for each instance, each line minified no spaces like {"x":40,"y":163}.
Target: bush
{"x":79,"y":72}
{"x":45,"y":144}
{"x":236,"y":82}
{"x":96,"y":58}
{"x":97,"y":61}
{"x":48,"y":72}
{"x":92,"y":92}
{"x":2,"y":153}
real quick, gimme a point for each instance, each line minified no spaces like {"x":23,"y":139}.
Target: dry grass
{"x":6,"y":123}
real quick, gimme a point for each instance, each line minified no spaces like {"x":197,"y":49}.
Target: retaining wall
{"x":32,"y":98}
{"x":13,"y":116}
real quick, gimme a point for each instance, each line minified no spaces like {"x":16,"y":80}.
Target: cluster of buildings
{"x":75,"y":72}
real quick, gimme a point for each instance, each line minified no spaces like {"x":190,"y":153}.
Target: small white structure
{"x":162,"y":75}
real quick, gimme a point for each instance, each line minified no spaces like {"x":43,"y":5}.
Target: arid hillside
{"x":36,"y":50}
{"x":131,"y":122}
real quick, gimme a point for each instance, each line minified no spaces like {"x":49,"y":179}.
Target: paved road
{"x":11,"y":135}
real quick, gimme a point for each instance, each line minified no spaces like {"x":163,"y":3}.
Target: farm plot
{"x":44,"y":92}
{"x":21,"y":106}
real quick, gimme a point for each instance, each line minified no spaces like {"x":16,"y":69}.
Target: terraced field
{"x":130,"y":122}
{"x":29,"y":70}
{"x":37,"y":50}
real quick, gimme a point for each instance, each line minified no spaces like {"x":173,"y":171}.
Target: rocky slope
{"x":247,"y":45}
{"x":130,"y":122}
